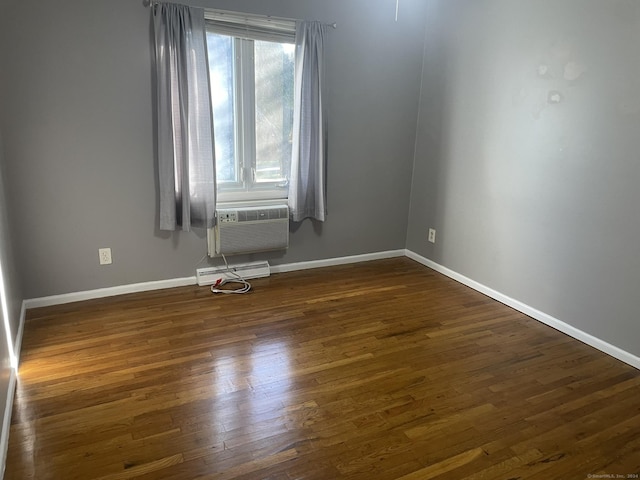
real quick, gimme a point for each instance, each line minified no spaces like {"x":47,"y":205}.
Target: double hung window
{"x":251,"y":70}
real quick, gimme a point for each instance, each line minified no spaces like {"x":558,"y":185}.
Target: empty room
{"x":319,"y":239}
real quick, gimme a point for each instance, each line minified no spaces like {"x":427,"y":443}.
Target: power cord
{"x":246,"y":286}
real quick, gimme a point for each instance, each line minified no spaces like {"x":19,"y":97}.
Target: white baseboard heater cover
{"x":249,"y":230}
{"x":210,"y":275}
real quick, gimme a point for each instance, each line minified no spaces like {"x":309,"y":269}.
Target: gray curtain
{"x":307,"y":188}
{"x":186,"y":163}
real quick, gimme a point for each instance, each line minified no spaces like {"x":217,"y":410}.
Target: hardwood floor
{"x":381,"y":370}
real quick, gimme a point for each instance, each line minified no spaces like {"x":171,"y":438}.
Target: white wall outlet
{"x":432,"y":235}
{"x":105,"y":256}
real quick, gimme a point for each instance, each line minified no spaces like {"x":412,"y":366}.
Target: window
{"x":252,"y":94}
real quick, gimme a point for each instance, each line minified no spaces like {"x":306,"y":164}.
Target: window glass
{"x":222,"y":78}
{"x":274,"y":65}
{"x":252,"y":97}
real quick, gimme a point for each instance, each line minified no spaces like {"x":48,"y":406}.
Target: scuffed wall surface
{"x":528,"y":155}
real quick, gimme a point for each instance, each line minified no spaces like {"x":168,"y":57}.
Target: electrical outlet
{"x":432,"y":235}
{"x":105,"y":256}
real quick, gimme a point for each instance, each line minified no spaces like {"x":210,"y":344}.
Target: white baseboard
{"x":18,"y":335}
{"x":6,"y":421}
{"x":181,"y":282}
{"x":331,"y":262}
{"x":584,"y":337}
{"x":11,"y":390}
{"x":108,"y":292}
{"x":290,"y":267}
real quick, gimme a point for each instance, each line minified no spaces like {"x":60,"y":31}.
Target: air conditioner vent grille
{"x":250,"y":229}
{"x":257,"y":215}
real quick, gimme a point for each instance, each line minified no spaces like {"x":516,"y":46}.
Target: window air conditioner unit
{"x":249,"y":230}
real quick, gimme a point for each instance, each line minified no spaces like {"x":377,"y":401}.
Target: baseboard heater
{"x":210,"y":275}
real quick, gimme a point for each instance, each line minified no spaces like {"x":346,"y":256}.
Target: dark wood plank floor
{"x":382,"y":370}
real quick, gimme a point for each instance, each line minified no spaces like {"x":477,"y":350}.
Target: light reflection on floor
{"x":257,"y":379}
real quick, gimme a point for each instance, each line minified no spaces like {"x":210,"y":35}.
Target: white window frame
{"x":244,"y":29}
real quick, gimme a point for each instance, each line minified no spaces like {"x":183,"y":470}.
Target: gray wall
{"x":534,"y":199}
{"x":11,"y":282}
{"x":78,"y":138}
{"x":14,"y":299}
{"x":10,"y":271}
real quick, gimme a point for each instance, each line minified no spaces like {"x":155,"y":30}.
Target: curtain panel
{"x":184,"y":122}
{"x":307,"y":188}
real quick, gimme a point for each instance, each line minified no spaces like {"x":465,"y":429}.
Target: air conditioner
{"x":249,"y":230}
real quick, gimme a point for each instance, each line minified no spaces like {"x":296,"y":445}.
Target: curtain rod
{"x":149,"y":3}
